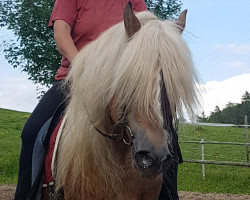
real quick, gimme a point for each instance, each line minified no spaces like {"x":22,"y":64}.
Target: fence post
{"x":246,"y":134}
{"x":203,"y":158}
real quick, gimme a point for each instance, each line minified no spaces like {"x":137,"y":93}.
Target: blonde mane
{"x":126,"y":71}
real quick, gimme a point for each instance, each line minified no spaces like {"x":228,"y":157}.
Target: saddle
{"x":43,"y":154}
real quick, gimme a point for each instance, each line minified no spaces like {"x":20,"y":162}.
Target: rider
{"x":75,"y":23}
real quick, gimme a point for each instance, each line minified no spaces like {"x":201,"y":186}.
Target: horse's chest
{"x":141,"y":189}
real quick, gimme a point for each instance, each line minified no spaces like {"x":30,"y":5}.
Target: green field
{"x":11,"y":125}
{"x":219,"y":179}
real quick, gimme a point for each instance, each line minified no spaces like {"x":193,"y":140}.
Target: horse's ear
{"x":181,"y":21}
{"x":131,"y":22}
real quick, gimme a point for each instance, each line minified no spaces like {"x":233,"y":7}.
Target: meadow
{"x":11,"y":125}
{"x":219,"y":179}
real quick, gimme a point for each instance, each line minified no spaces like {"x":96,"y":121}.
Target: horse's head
{"x":148,"y":131}
{"x":147,"y":139}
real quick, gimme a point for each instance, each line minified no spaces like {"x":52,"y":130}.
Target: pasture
{"x":11,"y":125}
{"x":219,"y":179}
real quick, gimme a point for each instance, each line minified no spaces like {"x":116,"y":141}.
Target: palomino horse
{"x":114,"y":143}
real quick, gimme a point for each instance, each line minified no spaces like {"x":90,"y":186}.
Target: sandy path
{"x":7,"y":193}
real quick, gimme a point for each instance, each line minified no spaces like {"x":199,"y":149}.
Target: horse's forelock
{"x":158,"y":46}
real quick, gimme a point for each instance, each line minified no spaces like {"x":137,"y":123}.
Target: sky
{"x":218,"y":34}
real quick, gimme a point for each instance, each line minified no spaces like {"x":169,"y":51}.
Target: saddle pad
{"x":48,"y":162}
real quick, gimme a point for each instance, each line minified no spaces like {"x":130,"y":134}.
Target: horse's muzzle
{"x":150,"y":164}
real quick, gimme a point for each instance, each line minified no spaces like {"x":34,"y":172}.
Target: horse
{"x":127,"y":88}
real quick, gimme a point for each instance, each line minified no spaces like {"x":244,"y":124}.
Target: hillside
{"x":11,"y":125}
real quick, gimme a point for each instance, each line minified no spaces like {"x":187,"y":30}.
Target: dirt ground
{"x":211,"y":196}
{"x":7,"y":193}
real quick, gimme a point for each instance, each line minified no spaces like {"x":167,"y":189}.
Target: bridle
{"x":125,"y":133}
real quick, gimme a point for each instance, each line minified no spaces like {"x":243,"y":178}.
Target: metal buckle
{"x":130,"y":136}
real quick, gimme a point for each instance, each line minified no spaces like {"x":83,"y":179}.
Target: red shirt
{"x":88,"y":19}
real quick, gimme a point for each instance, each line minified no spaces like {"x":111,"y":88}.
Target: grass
{"x":11,"y":125}
{"x":219,"y":179}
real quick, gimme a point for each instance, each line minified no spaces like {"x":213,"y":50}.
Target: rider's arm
{"x":64,"y":42}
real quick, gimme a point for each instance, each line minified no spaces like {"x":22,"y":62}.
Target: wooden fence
{"x":203,"y":142}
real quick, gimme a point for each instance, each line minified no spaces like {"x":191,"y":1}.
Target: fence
{"x":203,"y":142}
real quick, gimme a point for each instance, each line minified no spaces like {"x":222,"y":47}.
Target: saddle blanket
{"x":50,"y":158}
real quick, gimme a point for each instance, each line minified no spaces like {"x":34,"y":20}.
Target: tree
{"x":217,"y":109}
{"x":34,"y":50}
{"x":245,"y":97}
{"x":233,"y":113}
{"x":164,"y":9}
{"x":203,"y":117}
{"x":215,"y":115}
{"x":230,"y":105}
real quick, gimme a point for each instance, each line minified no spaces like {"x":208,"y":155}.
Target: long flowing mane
{"x":131,"y":71}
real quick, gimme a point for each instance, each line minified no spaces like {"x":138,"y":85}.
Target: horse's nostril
{"x":144,"y":159}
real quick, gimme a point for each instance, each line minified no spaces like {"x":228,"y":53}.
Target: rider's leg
{"x":43,"y":111}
